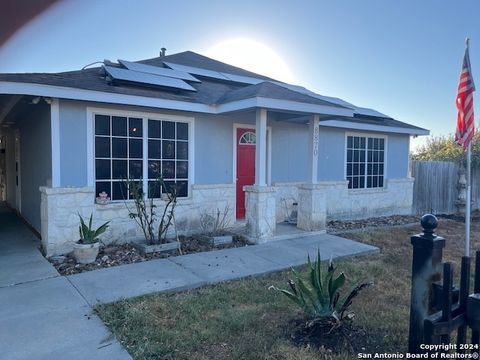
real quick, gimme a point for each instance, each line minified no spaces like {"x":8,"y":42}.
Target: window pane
{"x":102,"y":125}
{"x":380,"y":157}
{"x":369,"y":169}
{"x":103,"y":186}
{"x":362,"y":182}
{"x":182,"y":150}
{"x":168,"y":130}
{"x":135,"y":127}
{"x":375,"y":169}
{"x":349,"y":169}
{"x":169,"y":186}
{"x":153,"y":169}
{"x":355,"y":156}
{"x":182,"y":188}
{"x":182,"y":131}
{"x":182,"y":169}
{"x":362,"y":156}
{"x":102,"y":147}
{"x":381,"y":144}
{"x":369,"y":181}
{"x":153,"y":189}
{"x":349,"y":142}
{"x":355,"y":169}
{"x":375,"y":181}
{"x":119,"y":169}
{"x":119,"y":126}
{"x":355,"y":182}
{"x":168,"y":149}
{"x":356,"y":142}
{"x":154,"y":129}
{"x":380,"y":181}
{"x":375,"y":144}
{"x":154,"y":149}
{"x":349,"y":155}
{"x":370,"y":155}
{"x":135,"y":169}
{"x":102,"y":169}
{"x":135,"y":148}
{"x":370,"y":143}
{"x":168,"y":169}
{"x":119,"y":147}
{"x":362,"y":143}
{"x":380,"y":169}
{"x":350,"y":182}
{"x":119,"y":190}
{"x":361,"y":169}
{"x":375,"y":156}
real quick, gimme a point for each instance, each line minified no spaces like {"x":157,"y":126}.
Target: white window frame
{"x":385,"y":158}
{"x":145,"y":116}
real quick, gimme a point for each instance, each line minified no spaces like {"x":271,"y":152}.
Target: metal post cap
{"x":429,"y":223}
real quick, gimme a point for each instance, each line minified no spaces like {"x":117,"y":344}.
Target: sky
{"x":401,"y":58}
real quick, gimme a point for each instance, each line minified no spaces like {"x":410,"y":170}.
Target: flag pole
{"x":469,"y":201}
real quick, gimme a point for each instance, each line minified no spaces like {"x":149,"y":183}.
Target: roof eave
{"x":374,"y":127}
{"x":285,"y":105}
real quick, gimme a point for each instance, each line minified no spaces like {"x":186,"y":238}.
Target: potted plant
{"x":86,"y":249}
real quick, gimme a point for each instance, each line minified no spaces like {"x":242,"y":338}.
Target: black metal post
{"x":426,"y":269}
{"x":476,"y":290}
{"x":464,"y":292}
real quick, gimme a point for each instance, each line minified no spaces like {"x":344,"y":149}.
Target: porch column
{"x":313,"y":138}
{"x":312,"y":211}
{"x":261,"y":148}
{"x":260,"y":198}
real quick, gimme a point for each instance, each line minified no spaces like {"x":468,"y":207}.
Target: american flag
{"x":464,"y":101}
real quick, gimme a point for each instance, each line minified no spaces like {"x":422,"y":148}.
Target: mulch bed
{"x":384,"y":221}
{"x":121,"y":254}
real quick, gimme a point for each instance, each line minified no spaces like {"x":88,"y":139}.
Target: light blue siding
{"x":289,"y":152}
{"x":331,"y":154}
{"x":398,"y":156}
{"x":35,"y":161}
{"x":73,"y":144}
{"x":213,"y":150}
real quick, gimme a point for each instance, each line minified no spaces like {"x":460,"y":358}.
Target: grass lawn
{"x":244,"y":320}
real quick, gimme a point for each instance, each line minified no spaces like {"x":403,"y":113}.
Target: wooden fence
{"x":436,"y":187}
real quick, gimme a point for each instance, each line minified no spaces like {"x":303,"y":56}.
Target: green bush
{"x":89,"y":235}
{"x":319,"y":296}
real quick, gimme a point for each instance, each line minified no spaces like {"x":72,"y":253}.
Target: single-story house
{"x":226,"y":137}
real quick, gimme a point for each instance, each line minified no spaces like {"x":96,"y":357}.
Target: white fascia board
{"x":370,"y":127}
{"x":61,"y":92}
{"x":276,"y":104}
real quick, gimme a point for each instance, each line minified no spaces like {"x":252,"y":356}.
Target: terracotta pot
{"x":85,"y":253}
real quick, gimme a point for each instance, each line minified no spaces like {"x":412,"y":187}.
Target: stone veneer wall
{"x":60,"y":208}
{"x":342,"y":203}
{"x":285,"y":195}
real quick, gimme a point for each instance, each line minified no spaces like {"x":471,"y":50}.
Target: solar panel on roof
{"x":243,"y":79}
{"x":158,"y":70}
{"x":144,"y":78}
{"x":214,"y":74}
{"x":197,"y":71}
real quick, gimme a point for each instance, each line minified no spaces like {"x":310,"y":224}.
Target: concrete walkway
{"x":46,"y":316}
{"x":42,"y":316}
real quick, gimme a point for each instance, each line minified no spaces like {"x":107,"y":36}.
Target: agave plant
{"x":89,"y":235}
{"x":319,"y":296}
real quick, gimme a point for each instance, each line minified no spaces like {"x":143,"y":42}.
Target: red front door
{"x":245,"y":166}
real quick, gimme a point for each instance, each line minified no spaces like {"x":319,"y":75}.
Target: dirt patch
{"x":329,"y":337}
{"x":121,"y":254}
